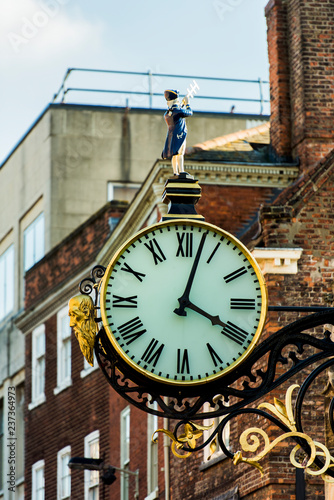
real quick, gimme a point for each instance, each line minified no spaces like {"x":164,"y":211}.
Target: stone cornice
{"x":264,"y":175}
{"x":278,"y":260}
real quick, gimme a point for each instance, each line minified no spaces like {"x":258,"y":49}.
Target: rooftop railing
{"x":252,"y":95}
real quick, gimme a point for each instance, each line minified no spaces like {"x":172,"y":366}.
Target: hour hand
{"x":215,"y":320}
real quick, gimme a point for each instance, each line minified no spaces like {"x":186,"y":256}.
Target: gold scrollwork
{"x":192,"y":432}
{"x":284,"y":412}
{"x":250,"y":441}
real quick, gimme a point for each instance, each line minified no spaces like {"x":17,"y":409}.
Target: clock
{"x":183,"y":302}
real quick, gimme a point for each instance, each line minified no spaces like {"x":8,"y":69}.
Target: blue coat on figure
{"x":176,"y":123}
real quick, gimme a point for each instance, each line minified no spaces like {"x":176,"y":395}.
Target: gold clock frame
{"x":186,"y":383}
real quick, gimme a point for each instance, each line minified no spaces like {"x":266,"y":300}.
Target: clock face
{"x":183,"y":302}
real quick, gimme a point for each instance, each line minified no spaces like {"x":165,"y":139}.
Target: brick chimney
{"x":301,"y":57}
{"x":279,"y":75}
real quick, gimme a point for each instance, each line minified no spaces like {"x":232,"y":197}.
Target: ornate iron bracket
{"x":246,"y":384}
{"x":89,"y":285}
{"x":290,"y":347}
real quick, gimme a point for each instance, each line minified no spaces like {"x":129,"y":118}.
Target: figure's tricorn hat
{"x":170,"y":95}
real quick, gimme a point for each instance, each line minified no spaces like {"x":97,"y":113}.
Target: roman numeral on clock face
{"x":236,"y":274}
{"x":214,"y":356}
{"x":182,"y":361}
{"x":131,"y":330}
{"x":124,"y":301}
{"x":156,"y":251}
{"x":185,"y":248}
{"x":242,"y":304}
{"x":136,"y":274}
{"x":153,"y":352}
{"x":235,"y":333}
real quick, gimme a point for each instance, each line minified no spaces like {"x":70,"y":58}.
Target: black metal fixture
{"x":240,"y":388}
{"x":82,"y":463}
{"x":108,"y":471}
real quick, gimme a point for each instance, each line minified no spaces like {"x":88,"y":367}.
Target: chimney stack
{"x":301,"y":57}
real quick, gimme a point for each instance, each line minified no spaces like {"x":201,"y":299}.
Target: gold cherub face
{"x":82,"y":320}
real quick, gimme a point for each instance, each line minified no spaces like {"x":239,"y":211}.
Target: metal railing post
{"x":261,"y":96}
{"x":150,"y":89}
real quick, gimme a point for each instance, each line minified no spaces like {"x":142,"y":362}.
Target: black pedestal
{"x":181,"y":193}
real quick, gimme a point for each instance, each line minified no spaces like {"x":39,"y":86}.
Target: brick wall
{"x":307,"y":225}
{"x":232,"y":207}
{"x":301,"y":56}
{"x":71,"y":255}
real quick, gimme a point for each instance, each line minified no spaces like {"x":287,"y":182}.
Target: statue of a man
{"x":82,"y":320}
{"x":175,"y":116}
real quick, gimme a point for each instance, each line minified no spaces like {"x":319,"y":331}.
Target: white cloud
{"x":35,"y":31}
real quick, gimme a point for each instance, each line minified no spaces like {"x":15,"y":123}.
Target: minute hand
{"x":184,"y":300}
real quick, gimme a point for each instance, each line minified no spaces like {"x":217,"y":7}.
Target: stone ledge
{"x":264,"y":175}
{"x":278,"y":260}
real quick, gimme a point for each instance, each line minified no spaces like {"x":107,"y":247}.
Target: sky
{"x":41,"y":39}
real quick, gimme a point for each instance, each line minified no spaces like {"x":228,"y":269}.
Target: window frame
{"x":218,"y":455}
{"x":63,"y":381}
{"x":60,"y":455}
{"x":37,"y":252}
{"x":152,"y":456}
{"x":37,"y":398}
{"x":90,"y":439}
{"x":40,"y":465}
{"x":132,"y":188}
{"x":125,"y":440}
{"x":87,"y":369}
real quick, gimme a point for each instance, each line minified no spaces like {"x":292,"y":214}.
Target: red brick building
{"x":276,"y":196}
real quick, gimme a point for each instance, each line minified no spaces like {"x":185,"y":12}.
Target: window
{"x":34,"y":242}
{"x":1,"y":444}
{"x":125,"y":451}
{"x":38,"y":481}
{"x":87,"y":369}
{"x":213,"y":451}
{"x":92,"y":450}
{"x":38,"y":366}
{"x":122,"y":192}
{"x":152,"y":456}
{"x":7,"y":282}
{"x":64,"y":477}
{"x":63,"y":350}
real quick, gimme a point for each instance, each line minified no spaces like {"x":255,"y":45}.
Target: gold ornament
{"x":82,"y":320}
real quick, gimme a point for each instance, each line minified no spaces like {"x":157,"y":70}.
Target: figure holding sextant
{"x":175,"y":116}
